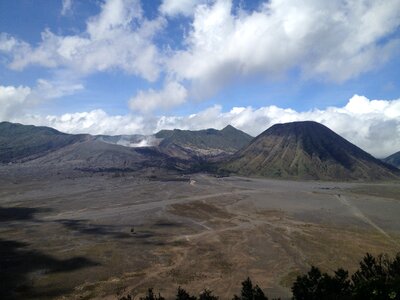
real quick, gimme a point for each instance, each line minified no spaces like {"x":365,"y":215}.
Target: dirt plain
{"x":106,"y":235}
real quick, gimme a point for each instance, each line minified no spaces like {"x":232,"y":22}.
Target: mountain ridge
{"x":297,"y":150}
{"x":48,"y":146}
{"x":202,"y":143}
{"x":25,"y":142}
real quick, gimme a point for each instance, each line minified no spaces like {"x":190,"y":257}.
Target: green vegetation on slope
{"x":307,"y":150}
{"x":228,"y":139}
{"x":19,"y":141}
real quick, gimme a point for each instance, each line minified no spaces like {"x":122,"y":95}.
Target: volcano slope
{"x":393,"y":159}
{"x":19,"y":143}
{"x":307,"y":150}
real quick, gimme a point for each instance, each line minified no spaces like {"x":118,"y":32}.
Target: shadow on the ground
{"x":19,"y":265}
{"x":8,"y":214}
{"x":84,"y":227}
{"x":117,"y":232}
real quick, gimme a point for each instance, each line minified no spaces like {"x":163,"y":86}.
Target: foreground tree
{"x":183,"y":295}
{"x":207,"y":295}
{"x":377,"y":278}
{"x":151,"y":296}
{"x":249,"y":292}
{"x":321,"y":286}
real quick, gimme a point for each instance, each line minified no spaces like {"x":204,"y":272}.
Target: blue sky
{"x":131,"y":66}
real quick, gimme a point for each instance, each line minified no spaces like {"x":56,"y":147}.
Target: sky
{"x":139,"y":66}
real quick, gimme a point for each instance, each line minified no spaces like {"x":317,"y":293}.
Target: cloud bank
{"x":17,"y":101}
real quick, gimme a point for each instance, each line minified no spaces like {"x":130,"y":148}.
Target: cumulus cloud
{"x":179,"y":7}
{"x":8,"y":43}
{"x":172,"y":94}
{"x":17,"y":101}
{"x":51,"y":89}
{"x":118,"y":38}
{"x":373,"y":125}
{"x":66,"y":7}
{"x":335,"y":40}
{"x":12,"y":98}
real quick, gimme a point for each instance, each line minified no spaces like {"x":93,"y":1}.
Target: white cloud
{"x":375,"y":128}
{"x":17,"y":101}
{"x":334,"y":40}
{"x":95,"y":122}
{"x":66,"y":7}
{"x":11,"y":98}
{"x":47,"y":89}
{"x":338,"y":40}
{"x":172,"y":94}
{"x":179,"y":7}
{"x":8,"y":43}
{"x":118,"y":38}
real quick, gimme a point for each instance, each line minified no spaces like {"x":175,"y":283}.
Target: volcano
{"x":307,"y":150}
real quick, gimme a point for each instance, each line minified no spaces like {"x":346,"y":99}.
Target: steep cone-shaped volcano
{"x":307,"y":150}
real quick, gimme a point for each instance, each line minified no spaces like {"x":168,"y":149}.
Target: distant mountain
{"x":307,"y":150}
{"x":187,"y":144}
{"x":44,"y":146}
{"x":95,"y":154}
{"x":24,"y":142}
{"x":171,"y":149}
{"x":393,"y":159}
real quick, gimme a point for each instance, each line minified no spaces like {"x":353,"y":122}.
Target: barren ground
{"x":70,"y":238}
